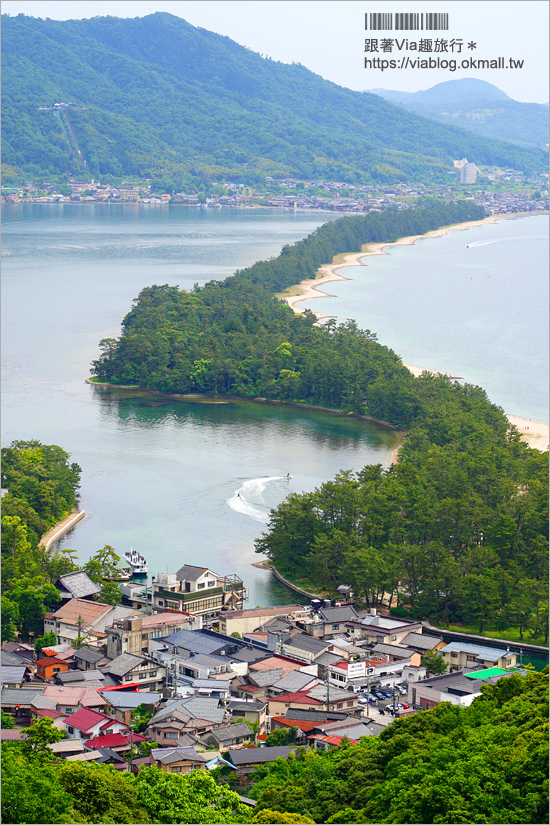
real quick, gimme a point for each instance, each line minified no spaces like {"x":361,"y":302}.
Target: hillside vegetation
{"x":161,"y":97}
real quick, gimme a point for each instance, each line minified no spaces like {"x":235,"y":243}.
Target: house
{"x":189,"y":715}
{"x":301,"y":699}
{"x":253,"y":711}
{"x":76,"y":585}
{"x":332,"y":620}
{"x":459,"y":687}
{"x":13,"y":676}
{"x":118,"y":742}
{"x":198,"y":590}
{"x":17,"y":701}
{"x":47,"y":667}
{"x":178,"y":760}
{"x":79,"y":618}
{"x":132,"y":635}
{"x":129,"y":668}
{"x":120,"y":703}
{"x":246,"y":621}
{"x":384,"y":629}
{"x":422,"y":643}
{"x":88,"y":659}
{"x":67,"y":747}
{"x":464,"y":654}
{"x":304,"y":647}
{"x":247,"y":760}
{"x":224,"y":737}
{"x":70,"y":699}
{"x":87,"y":724}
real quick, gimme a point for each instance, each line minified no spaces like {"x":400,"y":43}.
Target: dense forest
{"x":156,"y":96}
{"x":456,"y":531}
{"x":487,"y":763}
{"x":41,"y":487}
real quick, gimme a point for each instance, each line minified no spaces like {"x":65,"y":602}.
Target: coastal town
{"x":499,"y":191}
{"x":179,"y":675}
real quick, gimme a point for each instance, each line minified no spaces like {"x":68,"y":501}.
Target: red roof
{"x":305,"y":727}
{"x":50,"y":660}
{"x":86,"y":718}
{"x":343,"y":665}
{"x":301,"y":697}
{"x":114,"y":740}
{"x":335,"y":740}
{"x":49,"y":712}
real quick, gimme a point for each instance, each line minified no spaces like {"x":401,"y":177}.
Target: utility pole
{"x":368,"y":689}
{"x":328,"y":686}
{"x":393,"y":689}
{"x":132,"y":748}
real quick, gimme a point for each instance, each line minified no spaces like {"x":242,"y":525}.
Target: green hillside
{"x":162,"y":97}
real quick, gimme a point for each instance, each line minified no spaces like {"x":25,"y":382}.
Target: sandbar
{"x":534,"y":433}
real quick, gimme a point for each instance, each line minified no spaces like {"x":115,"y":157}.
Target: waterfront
{"x":158,"y":476}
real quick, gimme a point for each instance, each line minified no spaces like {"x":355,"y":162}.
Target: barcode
{"x":406,"y":21}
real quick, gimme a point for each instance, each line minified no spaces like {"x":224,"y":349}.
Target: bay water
{"x":180,"y":482}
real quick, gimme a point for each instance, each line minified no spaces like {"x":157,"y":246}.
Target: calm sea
{"x":180,"y":482}
{"x":472,"y":303}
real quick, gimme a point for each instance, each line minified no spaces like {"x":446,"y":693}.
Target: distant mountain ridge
{"x":157,"y":96}
{"x":478,"y":106}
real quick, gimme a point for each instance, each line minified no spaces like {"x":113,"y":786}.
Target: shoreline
{"x":60,"y":529}
{"x":534,"y":433}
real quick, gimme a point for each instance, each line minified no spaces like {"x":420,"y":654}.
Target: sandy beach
{"x":534,"y":433}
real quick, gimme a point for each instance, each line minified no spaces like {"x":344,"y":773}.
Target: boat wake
{"x":477,"y":244}
{"x":249,"y":500}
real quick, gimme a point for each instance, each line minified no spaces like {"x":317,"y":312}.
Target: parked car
{"x":405,"y":706}
{"x":402,"y":690}
{"x":386,"y":693}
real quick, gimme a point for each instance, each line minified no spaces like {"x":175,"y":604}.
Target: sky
{"x":328,"y":36}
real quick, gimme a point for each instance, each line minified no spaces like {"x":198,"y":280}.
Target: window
{"x":201,"y":586}
{"x":335,"y":626}
{"x":70,"y":729}
{"x":454,"y":655}
{"x":143,"y":676}
{"x":144,"y":637}
{"x":211,"y":584}
{"x":350,"y":704}
{"x":393,"y":638}
{"x":470,"y":658}
{"x":161,"y":603}
{"x":153,"y":673}
{"x":69,"y":710}
{"x":171,"y":734}
{"x":176,"y":769}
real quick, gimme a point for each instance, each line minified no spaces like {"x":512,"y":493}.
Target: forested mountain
{"x":156,"y":96}
{"x":480,"y":107}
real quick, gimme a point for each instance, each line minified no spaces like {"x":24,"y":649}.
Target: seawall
{"x":59,"y":529}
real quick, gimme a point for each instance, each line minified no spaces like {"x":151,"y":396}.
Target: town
{"x":499,"y":191}
{"x":181,"y":677}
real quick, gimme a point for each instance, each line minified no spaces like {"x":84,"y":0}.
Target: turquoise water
{"x":160,"y":477}
{"x":472,"y":303}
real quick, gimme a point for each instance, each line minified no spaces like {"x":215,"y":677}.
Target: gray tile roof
{"x":89,"y":656}
{"x":264,"y":678}
{"x":328,"y":659}
{"x":247,"y":655}
{"x":12,"y":659}
{"x":294,"y":681}
{"x":170,"y":755}
{"x":12,"y":673}
{"x":69,"y":676}
{"x":189,"y":572}
{"x":236,"y":706}
{"x":346,"y":613}
{"x":227,"y":733}
{"x":422,"y":642}
{"x":335,"y":694}
{"x":304,"y":642}
{"x":123,"y":664}
{"x":256,"y":756}
{"x":21,"y":696}
{"x":76,"y":585}
{"x":488,"y":654}
{"x":126,"y":699}
{"x":195,"y":707}
{"x":393,"y":650}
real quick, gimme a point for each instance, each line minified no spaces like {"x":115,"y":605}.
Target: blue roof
{"x":194,"y":641}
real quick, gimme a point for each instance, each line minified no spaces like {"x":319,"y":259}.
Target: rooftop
{"x":256,"y":756}
{"x":226,"y":733}
{"x":490,"y":654}
{"x":76,"y":585}
{"x":123,"y":664}
{"x":189,"y":572}
{"x":89,"y":612}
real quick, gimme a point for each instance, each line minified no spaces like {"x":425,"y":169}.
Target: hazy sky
{"x":328,"y":36}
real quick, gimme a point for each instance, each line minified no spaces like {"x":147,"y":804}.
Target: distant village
{"x":498,"y":191}
{"x":210,"y":682}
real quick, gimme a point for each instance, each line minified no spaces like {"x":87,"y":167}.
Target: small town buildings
{"x":179,"y":760}
{"x":247,"y":760}
{"x":79,"y":618}
{"x":47,"y":667}
{"x":224,"y":737}
{"x":189,"y":715}
{"x":128,"y":668}
{"x":465,"y":654}
{"x":120,"y":703}
{"x":252,"y":711}
{"x":70,"y":699}
{"x":133,"y":634}
{"x":376,"y":628}
{"x":13,"y":676}
{"x":76,"y":585}
{"x":88,"y":659}
{"x":246,"y":621}
{"x":17,"y":701}
{"x":86,"y":724}
{"x":198,"y":590}
{"x":422,"y":643}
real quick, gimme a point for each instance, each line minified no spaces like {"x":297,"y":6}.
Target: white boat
{"x":136,"y":562}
